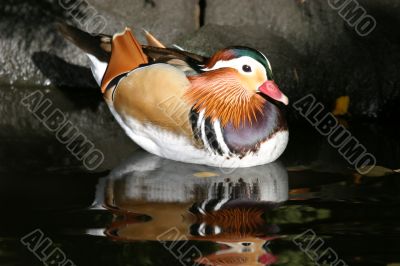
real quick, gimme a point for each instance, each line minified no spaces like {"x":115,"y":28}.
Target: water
{"x":144,"y":210}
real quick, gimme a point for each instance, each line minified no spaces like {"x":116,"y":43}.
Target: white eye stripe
{"x":269,"y":64}
{"x":266,"y":59}
{"x":238,"y":64}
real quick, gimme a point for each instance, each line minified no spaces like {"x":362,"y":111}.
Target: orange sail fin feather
{"x":127,"y":54}
{"x":152,"y":41}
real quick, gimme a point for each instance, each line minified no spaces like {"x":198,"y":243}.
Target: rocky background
{"x":310,"y":46}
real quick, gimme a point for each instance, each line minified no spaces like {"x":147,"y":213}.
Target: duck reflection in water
{"x":156,"y":199}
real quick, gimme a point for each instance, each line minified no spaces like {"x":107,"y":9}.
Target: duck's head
{"x":251,"y":67}
{"x":230,"y":88}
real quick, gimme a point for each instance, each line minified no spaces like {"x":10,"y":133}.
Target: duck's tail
{"x":110,"y":56}
{"x":97,"y":48}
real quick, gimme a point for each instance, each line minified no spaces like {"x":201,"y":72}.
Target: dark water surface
{"x":144,"y":210}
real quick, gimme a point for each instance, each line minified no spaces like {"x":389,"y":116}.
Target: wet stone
{"x":33,"y":52}
{"x":337,"y":60}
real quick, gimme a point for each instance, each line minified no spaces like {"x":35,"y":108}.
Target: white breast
{"x":180,"y":148}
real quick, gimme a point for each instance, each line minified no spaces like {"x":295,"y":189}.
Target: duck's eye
{"x":246,"y":68}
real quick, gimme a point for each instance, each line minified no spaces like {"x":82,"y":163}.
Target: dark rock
{"x":337,"y":61}
{"x":25,"y":142}
{"x":28,"y":28}
{"x":165,"y":19}
{"x":306,"y":24}
{"x":309,"y":25}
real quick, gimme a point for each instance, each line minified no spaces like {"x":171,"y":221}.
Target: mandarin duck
{"x":219,"y":111}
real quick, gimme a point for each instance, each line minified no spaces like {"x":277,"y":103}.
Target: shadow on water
{"x":152,"y":211}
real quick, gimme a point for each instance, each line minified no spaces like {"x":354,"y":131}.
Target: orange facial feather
{"x":221,"y":94}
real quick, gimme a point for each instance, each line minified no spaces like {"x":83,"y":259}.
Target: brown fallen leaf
{"x":341,"y":105}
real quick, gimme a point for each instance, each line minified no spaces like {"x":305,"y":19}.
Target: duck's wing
{"x":153,"y":95}
{"x":147,"y":92}
{"x":99,"y":48}
{"x":188,"y":62}
{"x":143,"y":83}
